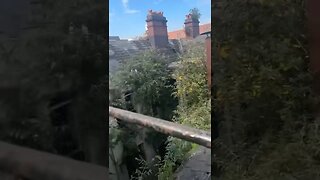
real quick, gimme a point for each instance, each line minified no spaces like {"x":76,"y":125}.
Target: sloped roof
{"x":114,"y":38}
{"x":180,"y":34}
{"x":205,"y":28}
{"x":122,"y":50}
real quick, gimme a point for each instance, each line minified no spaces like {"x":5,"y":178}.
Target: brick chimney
{"x":191,"y":27}
{"x":157,"y":29}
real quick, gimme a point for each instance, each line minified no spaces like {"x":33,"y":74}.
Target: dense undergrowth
{"x":264,"y":93}
{"x":153,"y":85}
{"x":194,"y":108}
{"x":143,"y":85}
{"x":50,"y":75}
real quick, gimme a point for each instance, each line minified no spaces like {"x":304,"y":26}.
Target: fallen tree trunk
{"x":197,"y":136}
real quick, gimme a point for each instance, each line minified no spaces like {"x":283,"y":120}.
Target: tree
{"x":147,"y":76}
{"x":146,"y":81}
{"x":194,"y":108}
{"x":195,"y":13}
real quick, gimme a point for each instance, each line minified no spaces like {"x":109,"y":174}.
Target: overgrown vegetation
{"x":195,"y":13}
{"x":191,"y":88}
{"x":146,"y":79}
{"x":194,"y":107}
{"x":263,"y":92}
{"x":150,"y":83}
{"x":146,"y":82}
{"x":59,"y":58}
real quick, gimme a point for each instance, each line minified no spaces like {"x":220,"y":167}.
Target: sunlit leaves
{"x":147,"y":75}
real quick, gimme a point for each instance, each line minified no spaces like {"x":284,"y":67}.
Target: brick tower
{"x":157,"y":29}
{"x":191,"y":27}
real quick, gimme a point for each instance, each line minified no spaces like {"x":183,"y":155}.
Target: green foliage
{"x":194,"y":107}
{"x":195,"y":13}
{"x":147,"y":77}
{"x":197,"y":116}
{"x":144,"y":170}
{"x":263,"y":87}
{"x":46,"y":60}
{"x":177,"y":152}
{"x":115,"y":135}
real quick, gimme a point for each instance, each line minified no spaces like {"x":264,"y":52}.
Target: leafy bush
{"x":147,"y":76}
{"x":194,"y":107}
{"x":147,"y":79}
{"x":144,"y":170}
{"x":177,"y":151}
{"x":191,"y":81}
{"x":263,"y":88}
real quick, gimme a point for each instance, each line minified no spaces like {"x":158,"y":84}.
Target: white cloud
{"x":127,"y":10}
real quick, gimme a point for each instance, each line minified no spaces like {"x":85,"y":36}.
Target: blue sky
{"x":127,"y":17}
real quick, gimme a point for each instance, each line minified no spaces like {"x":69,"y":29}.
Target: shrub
{"x":194,"y":107}
{"x":263,"y":88}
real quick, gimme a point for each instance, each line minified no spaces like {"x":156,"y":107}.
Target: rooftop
{"x":121,"y":50}
{"x":180,"y":34}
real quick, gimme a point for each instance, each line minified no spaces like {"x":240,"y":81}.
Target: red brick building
{"x":181,"y":34}
{"x":171,"y":44}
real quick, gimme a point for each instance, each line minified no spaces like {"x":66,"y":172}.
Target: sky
{"x":127,"y":18}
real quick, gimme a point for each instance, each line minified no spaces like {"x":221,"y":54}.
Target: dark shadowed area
{"x":52,"y":84}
